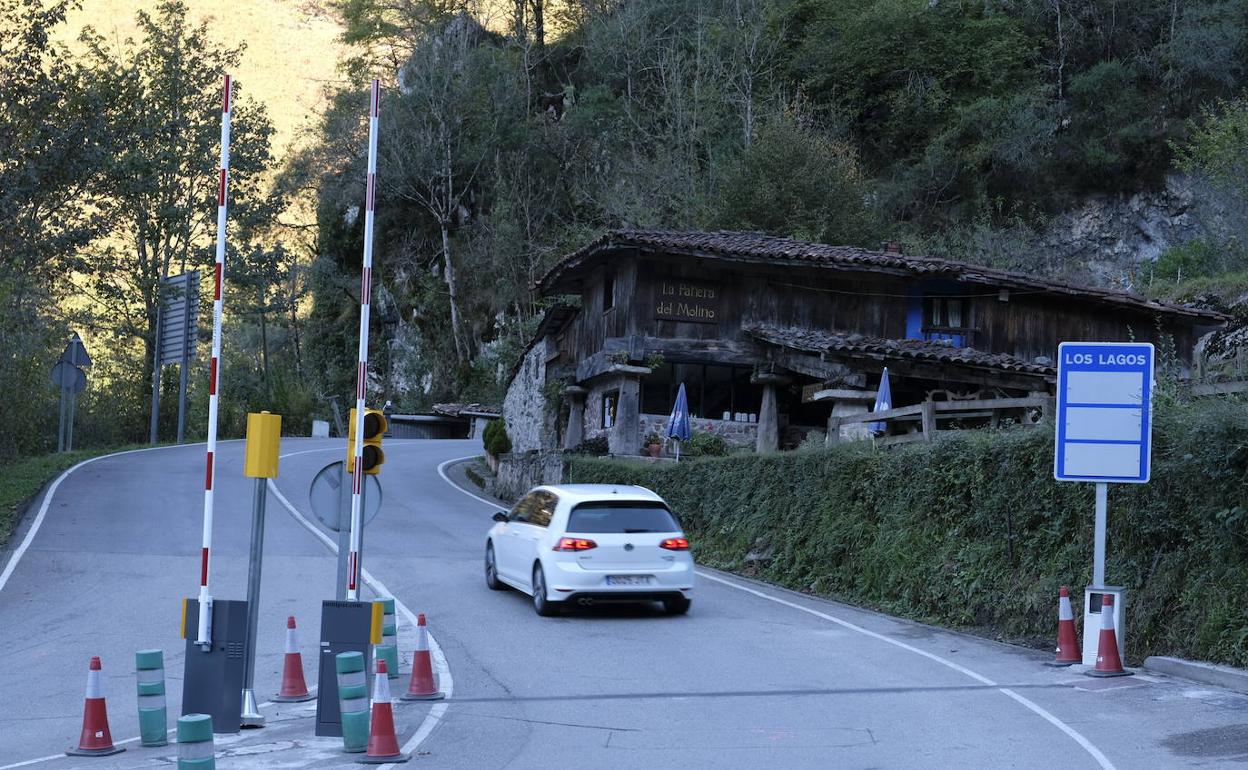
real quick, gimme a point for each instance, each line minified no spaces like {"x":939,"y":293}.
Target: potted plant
{"x":654,"y":444}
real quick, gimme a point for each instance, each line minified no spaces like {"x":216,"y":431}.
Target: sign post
{"x":1104,"y":436}
{"x":68,"y":375}
{"x":260,"y":461}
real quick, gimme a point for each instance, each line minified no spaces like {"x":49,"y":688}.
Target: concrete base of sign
{"x":1092,"y":621}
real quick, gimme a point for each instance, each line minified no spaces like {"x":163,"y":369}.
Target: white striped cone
{"x":294,"y":686}
{"x":1108,"y":662}
{"x":95,"y":740}
{"x":383,"y":743}
{"x":1068,"y":652}
{"x":423,"y":685}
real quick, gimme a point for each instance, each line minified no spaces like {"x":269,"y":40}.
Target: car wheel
{"x":541,"y":605}
{"x":491,"y":570}
{"x":678,"y":605}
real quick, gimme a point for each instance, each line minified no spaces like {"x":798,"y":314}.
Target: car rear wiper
{"x":635,"y":531}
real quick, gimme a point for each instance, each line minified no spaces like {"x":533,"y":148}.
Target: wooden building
{"x":774,"y":338}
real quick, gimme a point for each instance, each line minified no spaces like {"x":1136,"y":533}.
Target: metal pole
{"x":366,"y":287}
{"x":160,"y":304}
{"x":186,"y":333}
{"x":60,"y":428}
{"x":251,"y":716}
{"x":344,"y":531}
{"x":69,"y":424}
{"x":1098,"y":555}
{"x":204,"y":637}
{"x":73,"y":397}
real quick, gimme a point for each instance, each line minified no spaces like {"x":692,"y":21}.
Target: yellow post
{"x":264,"y":435}
{"x":374,"y":635}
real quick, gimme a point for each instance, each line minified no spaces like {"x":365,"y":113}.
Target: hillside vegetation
{"x":956,"y":126}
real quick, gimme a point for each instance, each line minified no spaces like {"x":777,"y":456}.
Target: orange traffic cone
{"x":294,"y":687}
{"x":1067,"y":640}
{"x":1108,"y":662}
{"x":383,"y":744}
{"x":422,"y":685}
{"x":96,"y":740}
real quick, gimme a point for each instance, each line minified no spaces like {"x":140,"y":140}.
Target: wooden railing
{"x":930,"y":413}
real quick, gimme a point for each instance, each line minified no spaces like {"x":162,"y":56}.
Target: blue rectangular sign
{"x":1104,"y":412}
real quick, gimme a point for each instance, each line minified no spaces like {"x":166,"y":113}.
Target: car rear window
{"x":621,"y":517}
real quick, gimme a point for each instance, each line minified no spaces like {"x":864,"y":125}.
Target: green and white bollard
{"x":195,"y":747}
{"x":149,"y":670}
{"x":388,"y":650}
{"x":352,"y":701}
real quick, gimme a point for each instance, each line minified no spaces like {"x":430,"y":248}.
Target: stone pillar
{"x":768,"y":414}
{"x":768,"y":422}
{"x":575,"y":433}
{"x":625,"y":436}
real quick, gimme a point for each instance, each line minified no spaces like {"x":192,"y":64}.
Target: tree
{"x":54,"y":144}
{"x":437,"y":140}
{"x":795,"y":181}
{"x":161,"y":192}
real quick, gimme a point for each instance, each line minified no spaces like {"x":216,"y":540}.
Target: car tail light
{"x":675,"y":544}
{"x":574,"y":544}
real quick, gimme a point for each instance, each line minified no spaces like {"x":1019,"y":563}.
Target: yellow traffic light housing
{"x":375,"y":426}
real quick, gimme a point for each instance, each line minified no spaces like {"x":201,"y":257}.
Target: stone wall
{"x":518,"y":472}
{"x":529,"y":424}
{"x":735,"y":433}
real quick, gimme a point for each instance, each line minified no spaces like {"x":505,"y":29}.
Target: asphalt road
{"x":753,"y":676}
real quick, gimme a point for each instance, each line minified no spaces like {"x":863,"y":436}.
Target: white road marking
{"x":445,"y":680}
{"x":1096,"y":754}
{"x":47,"y":502}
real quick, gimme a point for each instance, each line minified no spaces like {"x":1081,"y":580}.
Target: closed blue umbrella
{"x":883,"y":402}
{"x":678,"y":422}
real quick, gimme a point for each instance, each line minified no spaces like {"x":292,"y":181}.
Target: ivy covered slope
{"x":973,"y":532}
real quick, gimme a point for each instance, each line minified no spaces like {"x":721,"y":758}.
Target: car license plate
{"x":628,"y":580}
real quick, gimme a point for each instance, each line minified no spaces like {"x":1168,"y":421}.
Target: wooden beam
{"x":840,"y":394}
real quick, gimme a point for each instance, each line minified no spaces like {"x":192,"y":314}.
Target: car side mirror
{"x":500,"y":516}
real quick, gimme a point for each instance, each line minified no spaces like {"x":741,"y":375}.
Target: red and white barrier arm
{"x":361,"y":378}
{"x":204,"y":635}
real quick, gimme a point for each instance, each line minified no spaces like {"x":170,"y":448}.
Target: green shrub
{"x":973,"y":532}
{"x":495,"y":438}
{"x":592,"y":447}
{"x":704,"y":445}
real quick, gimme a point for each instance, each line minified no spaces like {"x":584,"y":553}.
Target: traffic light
{"x":375,"y":427}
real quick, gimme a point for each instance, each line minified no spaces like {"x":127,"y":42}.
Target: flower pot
{"x":654,"y":449}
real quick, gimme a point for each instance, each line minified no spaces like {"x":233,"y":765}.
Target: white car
{"x":590,"y":543}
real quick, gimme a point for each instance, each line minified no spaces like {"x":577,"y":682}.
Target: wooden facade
{"x":699,"y":299}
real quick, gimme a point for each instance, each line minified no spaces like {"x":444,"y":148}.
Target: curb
{"x":1226,"y":677}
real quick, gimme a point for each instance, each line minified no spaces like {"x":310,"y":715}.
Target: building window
{"x":713,"y":390}
{"x":610,"y":401}
{"x":608,"y":291}
{"x":945,"y":314}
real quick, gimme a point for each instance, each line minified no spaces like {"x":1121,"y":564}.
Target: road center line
{"x":445,"y":680}
{"x":1096,"y":754}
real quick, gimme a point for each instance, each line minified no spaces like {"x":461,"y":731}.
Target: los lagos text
{"x":1106,"y":359}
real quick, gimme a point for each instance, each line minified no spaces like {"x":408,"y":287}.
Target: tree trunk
{"x":449,"y":274}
